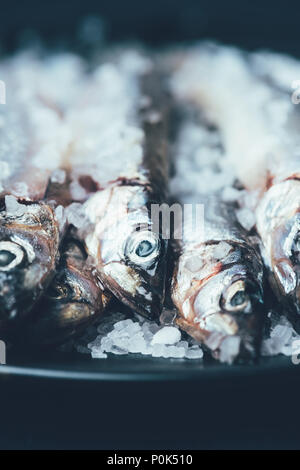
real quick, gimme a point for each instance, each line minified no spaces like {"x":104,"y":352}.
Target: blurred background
{"x":250,"y":24}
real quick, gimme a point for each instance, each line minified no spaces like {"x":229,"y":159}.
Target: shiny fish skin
{"x":250,"y":100}
{"x":32,"y":144}
{"x":119,"y":212}
{"x":278,"y":209}
{"x":205,"y":292}
{"x":253,"y":109}
{"x":29,"y":245}
{"x":218,"y":280}
{"x":74,"y":300}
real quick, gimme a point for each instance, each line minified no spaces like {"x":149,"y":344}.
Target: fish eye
{"x":142,"y":247}
{"x":145,"y":248}
{"x":236,"y":298}
{"x":11,"y":255}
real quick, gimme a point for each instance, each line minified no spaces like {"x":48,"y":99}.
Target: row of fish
{"x":87,"y":152}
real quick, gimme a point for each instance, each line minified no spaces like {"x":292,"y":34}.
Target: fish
{"x":252,"y":104}
{"x":278,"y":207}
{"x":119,"y":166}
{"x":217,"y":283}
{"x":74,"y":300}
{"x":29,"y":243}
{"x":33,"y":142}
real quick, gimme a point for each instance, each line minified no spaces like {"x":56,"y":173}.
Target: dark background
{"x":251,"y":24}
{"x":223,"y":411}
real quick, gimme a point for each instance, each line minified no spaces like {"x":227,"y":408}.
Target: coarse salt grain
{"x":167,"y":335}
{"x":120,"y":335}
{"x":246,"y":218}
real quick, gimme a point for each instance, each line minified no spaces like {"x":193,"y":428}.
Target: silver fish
{"x":218,"y":280}
{"x":29,"y":245}
{"x":217,"y":285}
{"x":30,"y":231}
{"x":278,"y":207}
{"x":119,"y":164}
{"x":251,"y":104}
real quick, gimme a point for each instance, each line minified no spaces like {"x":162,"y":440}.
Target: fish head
{"x":224,"y":305}
{"x":285,"y":262}
{"x":131,"y":256}
{"x":73,"y":299}
{"x":278,"y":224}
{"x":28,"y":249}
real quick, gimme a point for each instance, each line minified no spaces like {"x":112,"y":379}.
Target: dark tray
{"x":70,"y":401}
{"x":63,"y":400}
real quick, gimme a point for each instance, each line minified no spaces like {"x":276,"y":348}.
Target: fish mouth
{"x":58,"y":323}
{"x":72,"y":297}
{"x":250,"y":324}
{"x":139,"y":281}
{"x":233,"y":333}
{"x":144,"y":296}
{"x":55,"y":319}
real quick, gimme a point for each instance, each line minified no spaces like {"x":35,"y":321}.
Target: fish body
{"x":218,"y":280}
{"x":252,"y":105}
{"x":29,"y":243}
{"x":278,"y":207}
{"x":217,"y":285}
{"x":278,"y":224}
{"x":120,"y":169}
{"x":33,"y":142}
